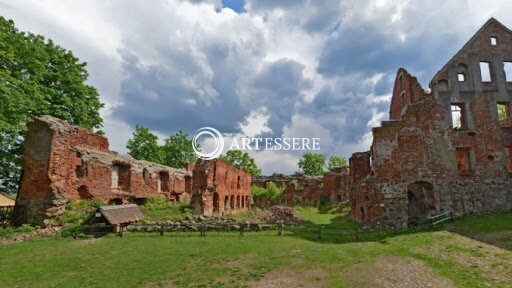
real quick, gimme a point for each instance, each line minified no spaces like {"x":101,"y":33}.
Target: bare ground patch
{"x":87,"y":241}
{"x":494,"y":263}
{"x":293,"y":278}
{"x":394,"y":272}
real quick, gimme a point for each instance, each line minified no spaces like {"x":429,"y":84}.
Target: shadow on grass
{"x":340,"y":231}
{"x":493,"y":229}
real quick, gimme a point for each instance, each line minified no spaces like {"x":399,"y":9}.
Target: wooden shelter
{"x":117,"y":216}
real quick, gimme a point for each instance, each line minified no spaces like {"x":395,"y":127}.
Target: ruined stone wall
{"x":219,"y":188}
{"x":406,"y":90}
{"x":335,"y":184}
{"x":63,"y":162}
{"x":299,"y":189}
{"x":425,"y":163}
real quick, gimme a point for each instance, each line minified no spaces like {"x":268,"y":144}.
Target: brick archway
{"x":420,"y":202}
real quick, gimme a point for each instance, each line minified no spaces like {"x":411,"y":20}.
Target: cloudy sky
{"x":290,"y":68}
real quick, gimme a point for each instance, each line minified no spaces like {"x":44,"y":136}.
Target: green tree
{"x":272,"y":192}
{"x":336,"y":161}
{"x":242,"y":160}
{"x":312,"y":164}
{"x":38,"y":77}
{"x":144,"y":145}
{"x":502,"y":112}
{"x":177,"y":150}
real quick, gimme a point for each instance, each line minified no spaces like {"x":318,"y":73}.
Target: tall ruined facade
{"x":62,"y":163}
{"x":219,"y":188}
{"x":446,"y":150}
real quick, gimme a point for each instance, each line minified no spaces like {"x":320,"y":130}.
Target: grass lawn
{"x":472,"y":252}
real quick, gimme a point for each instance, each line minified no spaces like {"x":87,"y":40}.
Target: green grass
{"x":333,"y":220}
{"x":485,"y":223}
{"x":159,"y":209}
{"x":228,"y":260}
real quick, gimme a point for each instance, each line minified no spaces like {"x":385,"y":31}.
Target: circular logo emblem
{"x":217,"y":137}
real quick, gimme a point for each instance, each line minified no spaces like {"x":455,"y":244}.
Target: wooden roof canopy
{"x":116,"y":214}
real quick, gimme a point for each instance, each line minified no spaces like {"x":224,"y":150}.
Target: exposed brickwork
{"x":307,"y":190}
{"x":335,"y":184}
{"x":63,"y":162}
{"x":220,"y":188}
{"x":421,"y":163}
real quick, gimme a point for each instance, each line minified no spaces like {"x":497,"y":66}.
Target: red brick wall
{"x":64,"y":162}
{"x":299,"y":189}
{"x":220,"y":188}
{"x":406,"y":90}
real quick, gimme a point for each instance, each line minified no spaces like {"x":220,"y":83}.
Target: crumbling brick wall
{"x":219,"y":188}
{"x":335,"y":184}
{"x":425,"y":160}
{"x":300,"y":189}
{"x":64,"y":162}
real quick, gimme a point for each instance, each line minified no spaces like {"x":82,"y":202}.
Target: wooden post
{"x":242,"y":226}
{"x":319,"y":232}
{"x":121,"y":231}
{"x":202,"y":228}
{"x":161,"y":229}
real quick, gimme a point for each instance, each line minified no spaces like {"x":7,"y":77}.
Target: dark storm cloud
{"x":157,"y":97}
{"x":278,"y":87}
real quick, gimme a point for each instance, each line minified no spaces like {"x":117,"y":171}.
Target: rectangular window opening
{"x":458,"y":116}
{"x":121,"y":177}
{"x":508,"y":152}
{"x":461,"y":77}
{"x":485,"y":71}
{"x":463,"y":162}
{"x":163,"y":182}
{"x":494,"y":41}
{"x":507,"y":67}
{"x":503,"y":114}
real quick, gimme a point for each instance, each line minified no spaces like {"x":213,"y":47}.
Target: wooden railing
{"x":441,"y":218}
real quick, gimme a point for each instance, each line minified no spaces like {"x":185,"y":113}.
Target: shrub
{"x":158,"y":208}
{"x":297,"y":185}
{"x":4,"y":232}
{"x":77,"y":212}
{"x":157,"y":203}
{"x":272,"y":192}
{"x":73,"y":230}
{"x":258,"y":192}
{"x":25,"y":228}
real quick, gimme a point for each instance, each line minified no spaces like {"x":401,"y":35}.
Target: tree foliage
{"x":37,"y":77}
{"x":271,"y":192}
{"x":502,"y":112}
{"x":177,"y":150}
{"x":336,"y":161}
{"x":242,"y":160}
{"x":312,"y":164}
{"x":144,"y":145}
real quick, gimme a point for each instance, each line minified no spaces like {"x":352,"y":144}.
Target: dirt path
{"x":394,"y":272}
